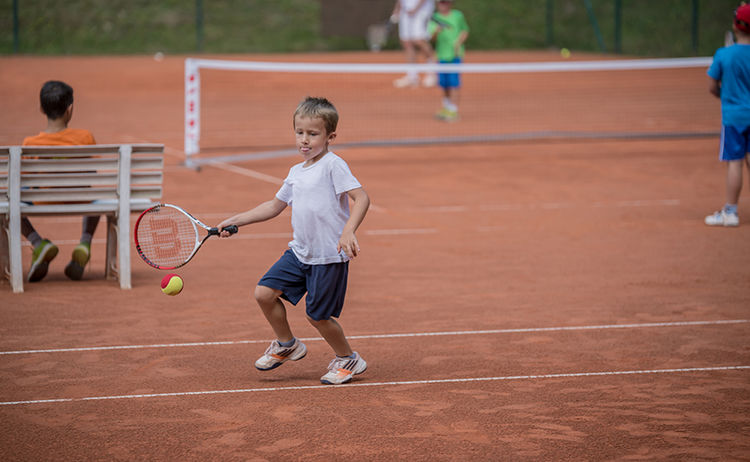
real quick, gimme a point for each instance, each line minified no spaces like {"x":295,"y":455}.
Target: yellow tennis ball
{"x":171,"y":284}
{"x":565,"y":53}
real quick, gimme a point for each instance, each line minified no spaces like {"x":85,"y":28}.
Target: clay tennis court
{"x":527,"y":300}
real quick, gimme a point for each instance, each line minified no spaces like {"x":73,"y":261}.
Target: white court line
{"x":263,"y":177}
{"x":382,"y":384}
{"x":247,"y":172}
{"x":386,"y":336}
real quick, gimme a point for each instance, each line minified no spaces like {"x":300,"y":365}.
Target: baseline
{"x":384,"y":384}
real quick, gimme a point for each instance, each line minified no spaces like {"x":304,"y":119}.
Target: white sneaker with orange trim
{"x":342,"y":370}
{"x":276,"y":355}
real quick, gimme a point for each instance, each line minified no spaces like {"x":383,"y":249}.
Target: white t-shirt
{"x":320,"y":208}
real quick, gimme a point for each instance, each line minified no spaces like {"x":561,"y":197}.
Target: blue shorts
{"x":450,"y":79}
{"x":735,"y":142}
{"x":325,"y":284}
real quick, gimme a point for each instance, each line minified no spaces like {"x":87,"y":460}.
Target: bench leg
{"x":4,"y":247}
{"x":123,"y":249}
{"x":10,"y":255}
{"x":110,"y":265}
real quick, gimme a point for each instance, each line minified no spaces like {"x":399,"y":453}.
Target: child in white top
{"x":319,"y":190}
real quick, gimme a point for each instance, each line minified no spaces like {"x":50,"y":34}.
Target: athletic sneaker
{"x":342,"y":370}
{"x":276,"y":355}
{"x":429,"y":80}
{"x":81,"y":256}
{"x":447,"y":115}
{"x":43,"y":253}
{"x":722,"y":218}
{"x":406,"y":81}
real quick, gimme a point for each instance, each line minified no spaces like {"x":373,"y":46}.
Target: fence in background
{"x":635,"y":27}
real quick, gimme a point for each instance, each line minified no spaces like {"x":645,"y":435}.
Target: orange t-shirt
{"x":67,"y":137}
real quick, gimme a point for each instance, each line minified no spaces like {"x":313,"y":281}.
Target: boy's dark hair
{"x":55,"y":98}
{"x":321,"y":108}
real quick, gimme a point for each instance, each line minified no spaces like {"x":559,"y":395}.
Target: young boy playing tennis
{"x":317,"y":261}
{"x":730,"y":81}
{"x":449,"y":30}
{"x":56,"y":100}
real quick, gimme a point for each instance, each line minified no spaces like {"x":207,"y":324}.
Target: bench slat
{"x":85,"y":209}
{"x":85,"y":194}
{"x":87,"y":179}
{"x":79,"y":164}
{"x":88,"y":149}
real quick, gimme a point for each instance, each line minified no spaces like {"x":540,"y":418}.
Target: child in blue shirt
{"x":730,"y":81}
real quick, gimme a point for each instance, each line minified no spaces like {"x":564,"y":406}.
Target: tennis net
{"x":236,"y":110}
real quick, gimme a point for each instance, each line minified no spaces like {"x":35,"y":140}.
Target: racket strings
{"x":167,"y":237}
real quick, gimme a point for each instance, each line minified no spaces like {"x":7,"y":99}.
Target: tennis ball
{"x":171,"y":284}
{"x":565,"y":53}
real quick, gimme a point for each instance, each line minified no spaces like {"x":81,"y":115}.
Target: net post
{"x":192,"y":110}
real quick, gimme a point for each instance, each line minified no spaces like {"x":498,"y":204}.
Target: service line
{"x":389,"y":336}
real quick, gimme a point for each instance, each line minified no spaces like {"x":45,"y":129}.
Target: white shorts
{"x":413,"y":27}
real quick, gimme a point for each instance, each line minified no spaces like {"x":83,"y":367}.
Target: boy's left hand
{"x":348,"y":243}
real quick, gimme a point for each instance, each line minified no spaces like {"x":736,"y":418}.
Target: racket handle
{"x":231,"y":229}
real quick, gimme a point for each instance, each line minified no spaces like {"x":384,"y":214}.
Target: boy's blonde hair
{"x":318,"y":108}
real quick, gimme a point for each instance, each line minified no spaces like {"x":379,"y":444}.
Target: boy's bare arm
{"x":360,"y":203}
{"x":714,"y":86}
{"x":262,"y":212}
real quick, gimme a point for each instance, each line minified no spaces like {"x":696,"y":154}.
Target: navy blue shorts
{"x":735,"y":142}
{"x":325,"y":284}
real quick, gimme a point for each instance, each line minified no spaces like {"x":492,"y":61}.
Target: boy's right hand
{"x":224,"y":232}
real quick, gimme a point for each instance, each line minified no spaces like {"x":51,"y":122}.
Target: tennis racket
{"x":440,"y":22}
{"x":168,"y":237}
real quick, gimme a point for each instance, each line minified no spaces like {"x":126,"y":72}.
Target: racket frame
{"x":198,"y":242}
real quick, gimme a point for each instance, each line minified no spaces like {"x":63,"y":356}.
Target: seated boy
{"x":57,"y":104}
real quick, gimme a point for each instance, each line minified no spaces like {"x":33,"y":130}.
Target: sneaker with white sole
{"x":81,"y":255}
{"x":276,"y":355}
{"x":447,"y":115}
{"x":406,"y":81}
{"x":722,"y":218}
{"x":342,"y":370}
{"x":43,"y":253}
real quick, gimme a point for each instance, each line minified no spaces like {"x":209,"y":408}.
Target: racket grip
{"x":231,"y":229}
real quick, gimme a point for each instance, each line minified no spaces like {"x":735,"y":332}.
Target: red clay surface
{"x":496,"y":246}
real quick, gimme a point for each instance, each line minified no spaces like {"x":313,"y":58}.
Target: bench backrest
{"x":54,"y":177}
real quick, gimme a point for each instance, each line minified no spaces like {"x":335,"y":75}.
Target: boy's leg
{"x":82,"y":252}
{"x":734,"y":181}
{"x":347,"y":363}
{"x":273,"y":309}
{"x":333,"y":334}
{"x":286,"y":347}
{"x":733,"y":151}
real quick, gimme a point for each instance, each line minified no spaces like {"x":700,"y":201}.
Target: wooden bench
{"x":110,"y":180}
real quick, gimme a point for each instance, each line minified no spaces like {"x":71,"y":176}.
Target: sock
{"x":287,"y":344}
{"x":34,"y":238}
{"x":730,"y":208}
{"x":351,"y":356}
